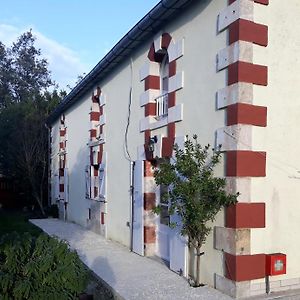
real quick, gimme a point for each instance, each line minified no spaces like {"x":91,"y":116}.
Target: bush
{"x":39,"y":268}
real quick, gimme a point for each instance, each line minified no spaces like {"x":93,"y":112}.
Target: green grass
{"x":16,"y":221}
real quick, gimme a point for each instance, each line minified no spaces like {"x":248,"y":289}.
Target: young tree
{"x":195,"y":194}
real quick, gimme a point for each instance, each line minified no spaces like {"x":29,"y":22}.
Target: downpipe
{"x":132,"y":165}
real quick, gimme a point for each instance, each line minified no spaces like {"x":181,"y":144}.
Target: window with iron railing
{"x":162,"y":106}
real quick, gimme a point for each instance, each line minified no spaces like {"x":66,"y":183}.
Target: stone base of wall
{"x":94,"y":223}
{"x":239,"y":290}
{"x":61,"y":210}
{"x":275,"y":286}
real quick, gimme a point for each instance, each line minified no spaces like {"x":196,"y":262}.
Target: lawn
{"x":16,"y":221}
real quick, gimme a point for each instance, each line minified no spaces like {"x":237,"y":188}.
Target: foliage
{"x":16,"y":221}
{"x":25,"y":103}
{"x":39,"y":268}
{"x":195,"y":194}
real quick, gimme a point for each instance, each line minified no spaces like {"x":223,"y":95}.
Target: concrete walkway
{"x":129,"y":275}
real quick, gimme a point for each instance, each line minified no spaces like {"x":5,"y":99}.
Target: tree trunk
{"x":198,"y":253}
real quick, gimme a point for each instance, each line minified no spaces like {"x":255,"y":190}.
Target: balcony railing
{"x":161,"y":106}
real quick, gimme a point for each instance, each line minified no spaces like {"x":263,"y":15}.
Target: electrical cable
{"x":127,"y":154}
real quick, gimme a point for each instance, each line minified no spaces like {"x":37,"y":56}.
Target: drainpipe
{"x":132,"y":165}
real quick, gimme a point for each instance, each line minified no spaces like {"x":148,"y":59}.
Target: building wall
{"x":198,"y":28}
{"x":280,"y":189}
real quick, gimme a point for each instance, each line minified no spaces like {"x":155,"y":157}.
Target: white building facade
{"x":224,"y":70}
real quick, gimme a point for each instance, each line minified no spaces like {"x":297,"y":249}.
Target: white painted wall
{"x":198,"y":28}
{"x":280,"y":189}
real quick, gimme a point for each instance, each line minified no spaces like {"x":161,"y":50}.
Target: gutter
{"x":148,"y":26}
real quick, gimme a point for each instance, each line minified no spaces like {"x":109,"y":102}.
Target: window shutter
{"x":66,"y":184}
{"x":103,"y":177}
{"x":88,"y":182}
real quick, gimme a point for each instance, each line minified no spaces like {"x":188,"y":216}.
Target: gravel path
{"x":129,"y":275}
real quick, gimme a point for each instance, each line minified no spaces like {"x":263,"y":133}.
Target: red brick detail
{"x":94,"y":116}
{"x":150,"y":109}
{"x":246,"y":163}
{"x":165,"y":40}
{"x":151,"y":53}
{"x":96,"y":171}
{"x":244,"y":30}
{"x":148,"y":170}
{"x":102,"y":218}
{"x":147,"y":136}
{"x":91,"y":156}
{"x":61,"y":145}
{"x":61,"y":188}
{"x":172,"y":68}
{"x":167,"y":147}
{"x":93,"y":133}
{"x":171,"y":130}
{"x":246,"y":215}
{"x":265,"y":2}
{"x":241,"y":113}
{"x":149,"y":201}
{"x":245,"y":267}
{"x":149,"y":234}
{"x":171,"y":99}
{"x":152,"y":82}
{"x":101,"y":110}
{"x":62,"y":132}
{"x":247,"y":72}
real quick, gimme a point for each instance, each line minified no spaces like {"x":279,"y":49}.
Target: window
{"x":162,"y":100}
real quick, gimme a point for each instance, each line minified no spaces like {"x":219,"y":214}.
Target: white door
{"x":178,"y":248}
{"x":138,"y":208}
{"x":163,"y":229}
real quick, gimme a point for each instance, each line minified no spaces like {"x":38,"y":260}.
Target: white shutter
{"x":87,"y":182}
{"x":103,"y":176}
{"x":178,"y":248}
{"x":56,"y":187}
{"x":66,"y":185}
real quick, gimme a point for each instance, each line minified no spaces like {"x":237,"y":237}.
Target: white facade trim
{"x":149,"y":68}
{"x":235,"y":137}
{"x":149,"y":96}
{"x":241,"y":185}
{"x":238,"y":51}
{"x":175,"y":113}
{"x":102,"y":99}
{"x":238,"y":92}
{"x":102,"y":119}
{"x":176,"y":82}
{"x":240,"y":9}
{"x":175,"y":50}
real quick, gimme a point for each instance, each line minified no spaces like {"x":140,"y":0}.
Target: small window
{"x":162,"y":100}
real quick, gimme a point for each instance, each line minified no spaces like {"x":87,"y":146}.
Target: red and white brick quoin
{"x":150,"y":74}
{"x":242,"y":162}
{"x":97,"y":141}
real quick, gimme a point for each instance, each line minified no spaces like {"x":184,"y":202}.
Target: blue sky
{"x":72,"y":34}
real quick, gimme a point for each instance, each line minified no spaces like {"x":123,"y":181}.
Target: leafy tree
{"x":23,"y":73}
{"x":39,"y":268}
{"x":195,"y":194}
{"x":25,"y":103}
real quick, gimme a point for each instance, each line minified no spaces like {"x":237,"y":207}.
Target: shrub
{"x":39,"y":268}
